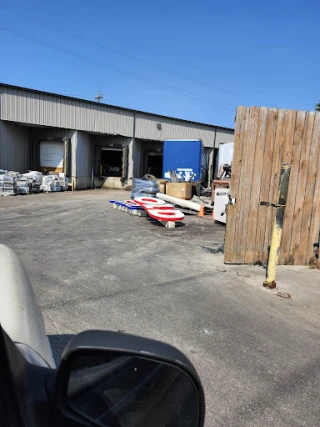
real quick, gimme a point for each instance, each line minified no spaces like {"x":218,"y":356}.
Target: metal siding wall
{"x":84,"y":154}
{"x":209,"y":153}
{"x":49,"y":134}
{"x":132,"y":147}
{"x":224,"y":135}
{"x":116,"y":140}
{"x":146,"y":128}
{"x":14,"y":147}
{"x":33,"y":108}
{"x":74,"y":155}
{"x":24,"y":106}
{"x":48,"y":110}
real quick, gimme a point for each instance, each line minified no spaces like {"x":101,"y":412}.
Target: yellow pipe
{"x":270,"y":281}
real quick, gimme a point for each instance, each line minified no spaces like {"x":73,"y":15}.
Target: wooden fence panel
{"x":238,"y":156}
{"x":265,"y":184}
{"x":252,"y":217}
{"x":296,"y":236}
{"x":264,"y":140}
{"x":285,"y":256}
{"x":315,"y":184}
{"x":246,"y":182}
{"x":273,"y":142}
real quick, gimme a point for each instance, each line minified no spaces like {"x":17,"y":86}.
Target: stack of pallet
{"x":24,"y":184}
{"x":50,"y":184}
{"x":8,"y":184}
{"x":35,"y":179}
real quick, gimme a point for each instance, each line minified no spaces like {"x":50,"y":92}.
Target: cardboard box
{"x":182,"y":190}
{"x":162,"y":185}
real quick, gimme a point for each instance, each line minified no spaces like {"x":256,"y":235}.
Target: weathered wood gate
{"x":266,"y":138}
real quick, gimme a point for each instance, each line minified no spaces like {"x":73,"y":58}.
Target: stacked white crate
{"x":52,"y":183}
{"x":64,"y":181}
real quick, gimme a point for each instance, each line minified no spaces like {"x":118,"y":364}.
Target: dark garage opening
{"x":154,"y":164}
{"x":111,"y":162}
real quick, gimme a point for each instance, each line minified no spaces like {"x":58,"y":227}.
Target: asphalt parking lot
{"x":93,"y":267}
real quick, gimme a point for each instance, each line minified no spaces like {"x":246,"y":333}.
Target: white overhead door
{"x":51,"y":155}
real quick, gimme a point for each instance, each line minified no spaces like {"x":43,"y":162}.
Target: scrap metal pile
{"x":13,"y":183}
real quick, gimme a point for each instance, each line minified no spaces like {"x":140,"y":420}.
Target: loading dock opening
{"x":154,"y":163}
{"x":111,"y":162}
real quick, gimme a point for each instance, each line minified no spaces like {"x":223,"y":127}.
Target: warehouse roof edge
{"x":112,"y":106}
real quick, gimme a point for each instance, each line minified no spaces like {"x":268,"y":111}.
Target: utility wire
{"x":130,"y":57}
{"x":147,"y":80}
{"x":149,"y":64}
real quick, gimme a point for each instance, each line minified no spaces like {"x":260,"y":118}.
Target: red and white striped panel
{"x":165,"y":207}
{"x":149,"y":201}
{"x":163,"y":215}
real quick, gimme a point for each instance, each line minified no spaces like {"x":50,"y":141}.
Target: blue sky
{"x":220,"y":54}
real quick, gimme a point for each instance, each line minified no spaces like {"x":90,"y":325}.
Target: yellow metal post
{"x":270,"y":281}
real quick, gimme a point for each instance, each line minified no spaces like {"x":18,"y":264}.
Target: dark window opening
{"x":111,"y":163}
{"x":154,"y":164}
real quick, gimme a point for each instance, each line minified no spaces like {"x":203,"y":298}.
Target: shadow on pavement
{"x":158,"y":224}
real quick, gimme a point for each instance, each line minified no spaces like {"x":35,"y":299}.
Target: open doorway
{"x":111,"y":162}
{"x":154,"y":163}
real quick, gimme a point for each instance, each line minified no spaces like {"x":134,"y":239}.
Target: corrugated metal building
{"x":101,"y":144}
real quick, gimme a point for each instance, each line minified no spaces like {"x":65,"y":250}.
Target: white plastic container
{"x":220,"y":201}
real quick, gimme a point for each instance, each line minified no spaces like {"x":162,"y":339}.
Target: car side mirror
{"x":113,"y":379}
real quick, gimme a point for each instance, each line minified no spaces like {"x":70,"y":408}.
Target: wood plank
{"x":263,"y":196}
{"x":252,"y":221}
{"x":238,"y":210}
{"x":294,"y":251}
{"x":271,"y":171}
{"x":246,"y":182}
{"x":286,"y":256}
{"x":237,"y":163}
{"x":282,"y":155}
{"x":313,"y":181}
